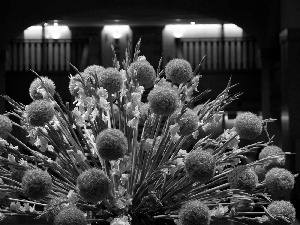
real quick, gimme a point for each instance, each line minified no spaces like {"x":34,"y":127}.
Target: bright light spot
{"x":56,"y":31}
{"x":193,"y":23}
{"x":117,"y":31}
{"x":55,"y":24}
{"x":197,"y":30}
{"x":177,"y":34}
{"x":232,"y":30}
{"x":45,"y":24}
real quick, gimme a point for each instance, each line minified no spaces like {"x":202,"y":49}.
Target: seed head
{"x":145,"y":73}
{"x":194,"y":212}
{"x":39,"y":113}
{"x":282,"y":209}
{"x":70,"y":216}
{"x":243,"y":177}
{"x":111,"y":80}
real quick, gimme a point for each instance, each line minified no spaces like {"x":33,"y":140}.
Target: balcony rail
{"x":221,"y":53}
{"x":45,"y":55}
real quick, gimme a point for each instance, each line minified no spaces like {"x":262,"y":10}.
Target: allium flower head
{"x":243,"y":177}
{"x":279,"y":183}
{"x":111,"y":144}
{"x":273,"y":150}
{"x":111,"y":80}
{"x":39,"y":112}
{"x":194,"y":213}
{"x":179,"y":71}
{"x":5,"y":126}
{"x":200,"y":165}
{"x":145,"y":73}
{"x":94,"y":70}
{"x":37,"y":84}
{"x":53,"y":207}
{"x":248,"y":126}
{"x":163,"y":100}
{"x":188,"y":122}
{"x":70,"y":216}
{"x":93,"y":185}
{"x":36,"y":184}
{"x":283,"y":209}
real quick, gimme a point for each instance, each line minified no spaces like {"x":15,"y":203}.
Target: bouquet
{"x":115,"y":159}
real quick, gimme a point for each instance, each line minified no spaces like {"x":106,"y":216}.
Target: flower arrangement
{"x":114,"y":159}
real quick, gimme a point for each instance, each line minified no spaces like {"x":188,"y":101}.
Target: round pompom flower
{"x":188,"y":122}
{"x":93,"y":185}
{"x":163,"y":100}
{"x":145,"y":73}
{"x":273,"y":150}
{"x":243,"y":177}
{"x":111,"y":80}
{"x":53,"y":207}
{"x":248,"y":126}
{"x":200,"y":165}
{"x":194,"y":213}
{"x":282,"y":209}
{"x":39,"y":112}
{"x":37,"y":84}
{"x":70,"y":216}
{"x":279,"y":183}
{"x":94,"y":70}
{"x":36,"y":184}
{"x":5,"y":126}
{"x":178,"y":71}
{"x":111,"y":144}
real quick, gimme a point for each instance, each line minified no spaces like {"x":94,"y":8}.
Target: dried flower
{"x":39,"y":113}
{"x":36,"y":184}
{"x":5,"y":126}
{"x":179,"y":71}
{"x":283,"y":209}
{"x":243,"y":177}
{"x":145,"y":73}
{"x":248,"y":125}
{"x":70,"y":216}
{"x":188,"y":122}
{"x":200,"y":165}
{"x":111,"y":144}
{"x":273,"y":150}
{"x":93,"y":185}
{"x":279,"y":183}
{"x":37,"y":84}
{"x":194,"y":212}
{"x":111,"y":80}
{"x":163,"y":100}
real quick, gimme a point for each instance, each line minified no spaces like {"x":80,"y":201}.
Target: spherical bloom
{"x":188,"y":122}
{"x":200,"y":165}
{"x":5,"y":126}
{"x":111,"y":144}
{"x":279,"y":183}
{"x":179,"y":71}
{"x":283,"y":209}
{"x":248,"y":126}
{"x":163,"y":100}
{"x":243,"y":177}
{"x":194,"y":213}
{"x":93,"y":185}
{"x":111,"y":80}
{"x":94,"y":70}
{"x":36,"y":184}
{"x":39,"y":112}
{"x":70,"y":216}
{"x":53,"y":207}
{"x":145,"y":73}
{"x":273,"y":150}
{"x":37,"y":84}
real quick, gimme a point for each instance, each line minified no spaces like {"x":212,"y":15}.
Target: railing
{"x":45,"y":55}
{"x":221,"y":54}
